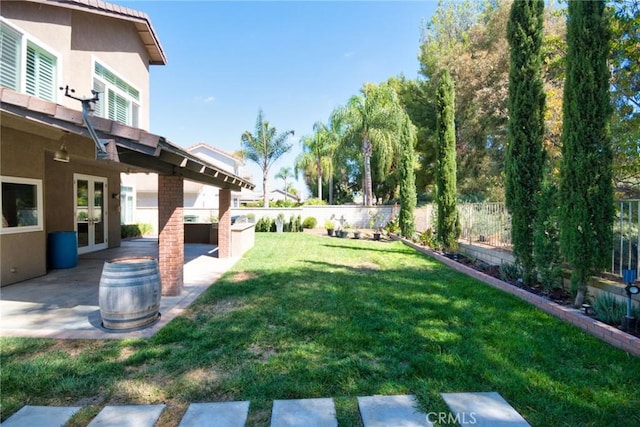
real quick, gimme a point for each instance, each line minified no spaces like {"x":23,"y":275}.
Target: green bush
{"x":610,"y":310}
{"x":299,"y":223}
{"x":509,"y":272}
{"x":251,"y":217}
{"x":309,"y":222}
{"x":284,"y":204}
{"x":135,"y":230}
{"x":426,"y":238}
{"x":314,"y":202}
{"x":264,"y":224}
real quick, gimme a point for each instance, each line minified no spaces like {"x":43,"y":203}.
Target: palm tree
{"x":315,"y":157}
{"x":264,"y":147}
{"x":371,"y":120}
{"x":284,"y":174}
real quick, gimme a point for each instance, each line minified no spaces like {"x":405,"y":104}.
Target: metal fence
{"x":485,"y":223}
{"x":489,"y":224}
{"x":626,"y":237}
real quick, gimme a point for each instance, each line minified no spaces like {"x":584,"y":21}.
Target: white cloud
{"x":348,"y":55}
{"x":205,"y":99}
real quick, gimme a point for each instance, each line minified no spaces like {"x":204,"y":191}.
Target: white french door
{"x":90,"y":203}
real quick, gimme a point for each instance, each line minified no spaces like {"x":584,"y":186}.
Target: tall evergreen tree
{"x":525,"y":130}
{"x":586,"y":190}
{"x":446,"y":192}
{"x":407,"y":177}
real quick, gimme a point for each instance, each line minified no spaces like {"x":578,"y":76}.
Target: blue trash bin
{"x":62,"y":249}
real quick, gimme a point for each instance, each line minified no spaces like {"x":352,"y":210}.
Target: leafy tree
{"x":586,"y":191}
{"x":625,"y":84}
{"x":447,"y":228}
{"x":546,"y":244}
{"x":264,"y":147}
{"x":419,"y":103}
{"x":525,"y":156}
{"x":315,"y":159}
{"x":371,"y":120}
{"x":284,"y":174}
{"x":407,"y":176}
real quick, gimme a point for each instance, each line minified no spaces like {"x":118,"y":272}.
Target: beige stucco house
{"x":51,"y":174}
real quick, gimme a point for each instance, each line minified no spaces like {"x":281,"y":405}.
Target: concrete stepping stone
{"x":217,"y":414}
{"x":41,"y":416}
{"x":304,"y":413}
{"x":128,"y":416}
{"x":487,"y":409}
{"x":397,"y":411}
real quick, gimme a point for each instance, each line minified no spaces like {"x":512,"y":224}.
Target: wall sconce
{"x":61,"y":155}
{"x":115,"y":195}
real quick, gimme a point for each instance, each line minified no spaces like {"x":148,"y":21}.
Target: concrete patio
{"x":64,"y":303}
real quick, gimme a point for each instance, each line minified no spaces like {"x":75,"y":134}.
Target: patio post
{"x":224,"y":225}
{"x":171,"y":233}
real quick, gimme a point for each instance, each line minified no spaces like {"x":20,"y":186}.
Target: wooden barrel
{"x":129,"y":294}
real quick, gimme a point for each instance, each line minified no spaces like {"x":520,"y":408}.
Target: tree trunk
{"x":265,"y":197}
{"x":577,"y":303}
{"x":366,"y":152}
{"x":331,"y":189}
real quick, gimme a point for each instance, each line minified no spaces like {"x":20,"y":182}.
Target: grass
{"x":303,"y":316}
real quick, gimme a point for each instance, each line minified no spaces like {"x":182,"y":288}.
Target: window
{"x":26,"y":66}
{"x":21,"y":205}
{"x":119,"y":100}
{"x":126,"y":205}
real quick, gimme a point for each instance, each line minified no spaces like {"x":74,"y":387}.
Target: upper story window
{"x":119,"y":100}
{"x":26,"y":65}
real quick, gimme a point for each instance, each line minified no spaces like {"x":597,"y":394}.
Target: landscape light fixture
{"x":61,"y":155}
{"x":629,"y":277}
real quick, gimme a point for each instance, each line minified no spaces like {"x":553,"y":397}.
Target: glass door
{"x":91,"y":212}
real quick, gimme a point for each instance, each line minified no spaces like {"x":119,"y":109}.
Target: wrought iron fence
{"x":489,"y":224}
{"x":485,"y":223}
{"x":626,"y":237}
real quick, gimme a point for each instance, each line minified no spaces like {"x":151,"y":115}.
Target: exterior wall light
{"x":61,"y":155}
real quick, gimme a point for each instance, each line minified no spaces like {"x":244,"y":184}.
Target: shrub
{"x":509,"y":272}
{"x":135,"y":230}
{"x":285,"y":203}
{"x":309,"y":222}
{"x":251,"y":217}
{"x":264,"y":224}
{"x":425,"y":238}
{"x":610,"y":310}
{"x":314,"y":201}
{"x":329,"y":225}
{"x":299,"y":223}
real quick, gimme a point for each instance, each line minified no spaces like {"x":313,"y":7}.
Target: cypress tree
{"x":525,"y":130}
{"x":408,"y":197}
{"x":586,"y":189}
{"x":447,"y":223}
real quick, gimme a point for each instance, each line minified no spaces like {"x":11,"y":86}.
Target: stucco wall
{"x":24,"y":255}
{"x":78,"y":38}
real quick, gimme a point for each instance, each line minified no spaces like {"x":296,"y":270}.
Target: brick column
{"x":171,"y":233}
{"x":224,"y":225}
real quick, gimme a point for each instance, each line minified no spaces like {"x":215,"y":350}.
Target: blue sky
{"x":296,"y":60}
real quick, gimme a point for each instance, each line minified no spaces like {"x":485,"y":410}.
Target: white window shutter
{"x":99,"y":107}
{"x":40,"y":74}
{"x":9,"y":58}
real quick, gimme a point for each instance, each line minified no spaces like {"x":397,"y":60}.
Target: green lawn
{"x":304,"y":316}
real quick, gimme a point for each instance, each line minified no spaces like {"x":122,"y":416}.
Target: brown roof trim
{"x":135,"y":146}
{"x":139,"y":19}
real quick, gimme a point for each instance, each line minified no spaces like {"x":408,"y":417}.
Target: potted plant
{"x":356,"y":234}
{"x":375,"y":216}
{"x":344,"y":232}
{"x":328,"y":225}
